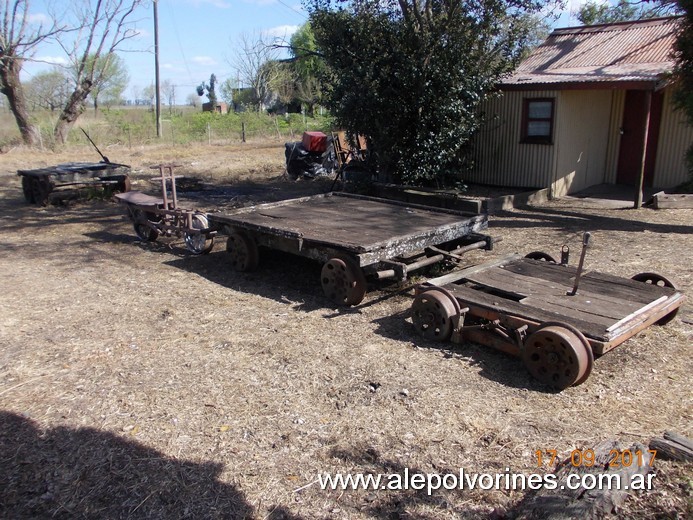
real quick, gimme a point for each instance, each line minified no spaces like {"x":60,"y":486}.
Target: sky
{"x":198,"y":38}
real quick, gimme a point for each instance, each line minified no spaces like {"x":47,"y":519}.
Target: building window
{"x":537,"y":120}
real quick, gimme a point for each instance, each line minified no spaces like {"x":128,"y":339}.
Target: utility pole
{"x":156,"y":68}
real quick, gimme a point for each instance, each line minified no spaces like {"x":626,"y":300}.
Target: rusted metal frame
{"x":171,"y":220}
{"x":518,"y":326}
{"x":502,"y":331}
{"x":578,"y":273}
{"x":428,"y":260}
{"x":459,"y":276}
{"x":397,"y":270}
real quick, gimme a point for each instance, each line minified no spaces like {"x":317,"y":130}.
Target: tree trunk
{"x":72,"y":110}
{"x":12,"y":88}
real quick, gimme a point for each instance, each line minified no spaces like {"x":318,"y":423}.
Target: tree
{"x":149,"y":93}
{"x":683,"y":71}
{"x":282,"y":82}
{"x":226,"y":89}
{"x":193,"y":100}
{"x":309,"y":66}
{"x":104,"y":25}
{"x":168,"y":89}
{"x":211,"y":91}
{"x":48,"y":90}
{"x":409,"y":76}
{"x":135,"y":92}
{"x":110,"y":78}
{"x":595,"y":12}
{"x":256,"y":67}
{"x":19,"y":40}
{"x":592,"y":12}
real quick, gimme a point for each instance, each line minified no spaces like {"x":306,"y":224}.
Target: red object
{"x":315,"y":141}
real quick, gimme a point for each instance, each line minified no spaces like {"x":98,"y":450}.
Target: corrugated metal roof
{"x":620,"y":52}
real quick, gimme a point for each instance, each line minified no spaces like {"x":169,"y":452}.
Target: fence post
{"x":276,"y":124}
{"x":209,"y":134}
{"x":243,"y":131}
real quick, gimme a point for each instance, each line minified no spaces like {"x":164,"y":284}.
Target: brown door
{"x":633,"y":132}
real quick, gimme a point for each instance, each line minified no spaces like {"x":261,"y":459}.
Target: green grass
{"x":132,"y":126}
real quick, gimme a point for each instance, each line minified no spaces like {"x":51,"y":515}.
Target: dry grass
{"x":138,"y":381}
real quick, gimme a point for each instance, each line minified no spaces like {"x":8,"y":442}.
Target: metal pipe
{"x":430,"y":260}
{"x":585,"y":243}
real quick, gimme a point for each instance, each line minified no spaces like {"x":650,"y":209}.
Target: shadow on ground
{"x":86,"y":473}
{"x":574,"y":221}
{"x":282,"y":277}
{"x":494,"y":365}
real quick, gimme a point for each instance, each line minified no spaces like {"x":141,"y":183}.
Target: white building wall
{"x":581,"y":140}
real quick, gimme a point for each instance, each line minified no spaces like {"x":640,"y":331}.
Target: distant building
{"x":220,"y":108}
{"x":575,"y":112}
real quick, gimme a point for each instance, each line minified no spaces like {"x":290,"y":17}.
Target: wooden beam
{"x":641,"y":175}
{"x":673,"y":201}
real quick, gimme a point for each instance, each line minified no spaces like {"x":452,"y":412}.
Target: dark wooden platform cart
{"x":42,"y":184}
{"x":355,"y":237}
{"x":153,"y":217}
{"x":554,"y":317}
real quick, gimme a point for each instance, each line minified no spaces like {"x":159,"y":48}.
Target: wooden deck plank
{"x":594,"y":282}
{"x":535,"y":291}
{"x":357,"y":224}
{"x":554,"y":293}
{"x":586,"y":323}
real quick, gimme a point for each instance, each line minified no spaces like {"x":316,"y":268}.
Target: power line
{"x":301,"y":13}
{"x":180,"y":44}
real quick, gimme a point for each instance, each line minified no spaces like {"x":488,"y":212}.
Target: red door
{"x":633,"y":132}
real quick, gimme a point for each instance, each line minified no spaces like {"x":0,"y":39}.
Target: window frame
{"x":526,"y":120}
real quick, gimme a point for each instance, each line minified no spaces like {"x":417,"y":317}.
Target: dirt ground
{"x":138,"y":381}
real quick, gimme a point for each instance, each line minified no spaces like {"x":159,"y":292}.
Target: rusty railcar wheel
{"x":28,"y":189}
{"x":198,"y":243}
{"x":433,"y":312}
{"x":41,"y":188}
{"x":660,"y":281}
{"x":343,"y":281}
{"x":141,"y":223}
{"x":243,"y":252}
{"x":558,"y":355}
